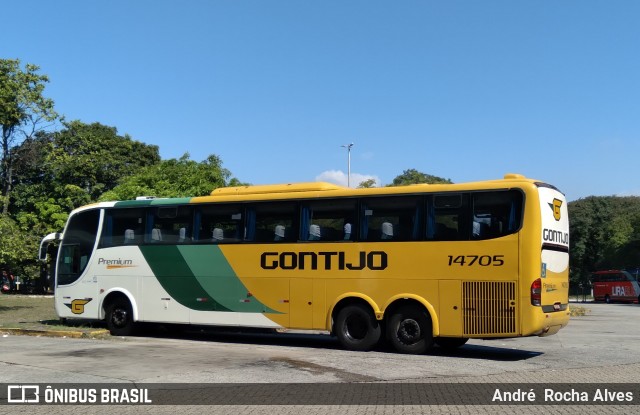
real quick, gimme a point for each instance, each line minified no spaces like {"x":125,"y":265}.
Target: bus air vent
{"x":489,"y":308}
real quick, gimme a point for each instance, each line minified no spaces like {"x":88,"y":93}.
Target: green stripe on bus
{"x":200,"y":277}
{"x":175,"y":276}
{"x":215,"y":275}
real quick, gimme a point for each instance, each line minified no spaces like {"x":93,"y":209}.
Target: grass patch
{"x":37,"y":312}
{"x":26,"y":311}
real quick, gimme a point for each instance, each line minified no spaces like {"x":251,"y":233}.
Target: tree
{"x":605,"y":233}
{"x":58,"y":172}
{"x":413,"y":176}
{"x":23,"y":111}
{"x":367,"y":184}
{"x":94,"y":157}
{"x":174,"y":178}
{"x":18,"y":248}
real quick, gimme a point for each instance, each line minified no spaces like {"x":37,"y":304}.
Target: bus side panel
{"x":477,"y":284}
{"x":201,"y":278}
{"x":319,"y":275}
{"x":121,"y":269}
{"x":450,"y":314}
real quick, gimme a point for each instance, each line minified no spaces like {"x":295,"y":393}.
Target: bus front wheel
{"x":409,"y":330}
{"x":357,"y":328}
{"x":607,"y":299}
{"x":120,"y":317}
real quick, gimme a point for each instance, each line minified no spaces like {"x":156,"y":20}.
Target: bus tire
{"x":357,"y":328}
{"x":119,"y":315}
{"x":607,"y":299}
{"x":451,"y":343}
{"x":409,"y":330}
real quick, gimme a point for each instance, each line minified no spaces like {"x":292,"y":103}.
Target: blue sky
{"x":467,"y":90}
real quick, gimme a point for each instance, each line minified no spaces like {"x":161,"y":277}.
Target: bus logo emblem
{"x":555,"y":206}
{"x":77,"y":306}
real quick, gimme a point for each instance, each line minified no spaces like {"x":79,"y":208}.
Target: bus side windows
{"x":391,"y":219}
{"x":169,"y":225}
{"x":122,"y":227}
{"x":611,"y":276}
{"x":328,"y":220}
{"x":445,"y":218}
{"x":496,"y":213}
{"x":219,"y":224}
{"x":273,"y":222}
{"x":474,"y":215}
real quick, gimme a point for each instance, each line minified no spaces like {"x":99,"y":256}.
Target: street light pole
{"x":348,"y":147}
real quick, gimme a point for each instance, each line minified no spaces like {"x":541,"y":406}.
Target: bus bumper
{"x":551,"y":323}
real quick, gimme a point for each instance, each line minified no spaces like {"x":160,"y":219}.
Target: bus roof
{"x":313,"y":190}
{"x":276,"y":188}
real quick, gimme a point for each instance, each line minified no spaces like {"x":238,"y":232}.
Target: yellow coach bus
{"x":415,"y":265}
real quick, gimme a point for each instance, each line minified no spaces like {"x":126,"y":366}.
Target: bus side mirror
{"x":44,"y":244}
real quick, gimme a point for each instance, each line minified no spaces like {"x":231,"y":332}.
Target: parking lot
{"x":600,"y":347}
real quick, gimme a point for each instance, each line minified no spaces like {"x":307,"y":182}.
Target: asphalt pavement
{"x":600,"y":348}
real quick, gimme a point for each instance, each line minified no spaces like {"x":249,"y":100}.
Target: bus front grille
{"x":489,"y":308}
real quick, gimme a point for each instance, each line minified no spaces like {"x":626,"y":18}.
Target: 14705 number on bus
{"x":477,"y":260}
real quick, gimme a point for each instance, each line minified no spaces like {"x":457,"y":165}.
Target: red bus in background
{"x":615,"y":285}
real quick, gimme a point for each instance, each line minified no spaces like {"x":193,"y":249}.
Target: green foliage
{"x":605,"y":234}
{"x":23,"y":109}
{"x":21,"y":99}
{"x":58,"y":172}
{"x":413,"y":176}
{"x":18,"y":246}
{"x":369,"y":183}
{"x":94,"y":157}
{"x":174,"y":178}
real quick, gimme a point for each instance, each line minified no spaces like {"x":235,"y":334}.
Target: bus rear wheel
{"x":409,"y":330}
{"x":119,"y":315}
{"x":607,"y":299}
{"x":357,"y":328}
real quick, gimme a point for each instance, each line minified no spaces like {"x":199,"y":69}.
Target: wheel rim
{"x":119,"y":317}
{"x":409,"y":331}
{"x":355,"y":328}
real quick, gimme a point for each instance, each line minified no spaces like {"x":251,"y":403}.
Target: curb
{"x":55,"y":333}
